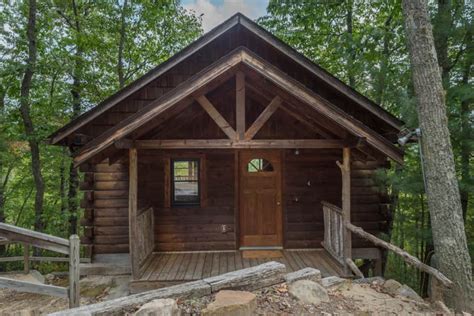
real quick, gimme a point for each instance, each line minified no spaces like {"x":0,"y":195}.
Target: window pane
{"x":259,"y":165}
{"x":186,"y":192}
{"x":185,"y":170}
{"x":185,"y":181}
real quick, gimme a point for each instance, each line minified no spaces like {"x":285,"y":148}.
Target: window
{"x":259,"y":165}
{"x":185,"y":181}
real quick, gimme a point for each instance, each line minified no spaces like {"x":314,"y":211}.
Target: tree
{"x":442,"y":187}
{"x":25,"y":101}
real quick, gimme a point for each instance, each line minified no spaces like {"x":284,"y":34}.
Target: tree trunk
{"x":76,"y":91}
{"x":466,"y":133}
{"x":120,"y":70}
{"x":442,"y":24}
{"x":442,"y":190}
{"x":26,"y":117}
{"x":382,"y":75}
{"x":350,"y":46}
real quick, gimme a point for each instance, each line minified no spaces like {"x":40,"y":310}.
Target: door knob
{"x":278,"y":203}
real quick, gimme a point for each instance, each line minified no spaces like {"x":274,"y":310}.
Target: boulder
{"x":391,"y":287}
{"x":160,"y":307}
{"x":408,"y":292}
{"x":372,"y":280}
{"x":303,"y":274}
{"x":333,"y":282}
{"x":308,"y":292}
{"x":443,"y":308}
{"x":232,"y":303}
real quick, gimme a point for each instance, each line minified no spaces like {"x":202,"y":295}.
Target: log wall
{"x":106,"y":207}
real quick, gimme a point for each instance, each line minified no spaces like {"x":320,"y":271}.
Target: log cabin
{"x":236,"y":149}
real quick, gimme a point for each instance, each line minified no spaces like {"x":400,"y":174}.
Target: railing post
{"x":133,"y":212}
{"x":26,"y":258}
{"x":346,"y":205}
{"x":74,"y":273}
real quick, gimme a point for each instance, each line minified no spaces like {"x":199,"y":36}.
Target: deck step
{"x":261,"y":254}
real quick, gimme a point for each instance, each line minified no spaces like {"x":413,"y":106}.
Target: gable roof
{"x":224,"y":66}
{"x":237,"y":19}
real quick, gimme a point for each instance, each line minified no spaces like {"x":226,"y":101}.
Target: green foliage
{"x":151,"y":32}
{"x":373,"y":51}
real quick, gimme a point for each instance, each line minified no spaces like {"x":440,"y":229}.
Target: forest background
{"x":87,"y":49}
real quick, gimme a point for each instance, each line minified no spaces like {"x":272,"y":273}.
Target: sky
{"x":217,"y":11}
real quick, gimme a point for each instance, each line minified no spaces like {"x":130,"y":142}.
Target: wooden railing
{"x":12,"y":234}
{"x":145,"y":243}
{"x":333,"y":231}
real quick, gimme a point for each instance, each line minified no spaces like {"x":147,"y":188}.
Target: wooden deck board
{"x":181,"y":267}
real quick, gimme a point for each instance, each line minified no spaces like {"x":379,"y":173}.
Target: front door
{"x":260,"y":198}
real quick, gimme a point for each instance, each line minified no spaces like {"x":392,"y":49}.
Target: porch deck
{"x":164,"y":269}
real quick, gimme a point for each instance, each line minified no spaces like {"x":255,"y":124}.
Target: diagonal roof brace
{"x":240,"y":56}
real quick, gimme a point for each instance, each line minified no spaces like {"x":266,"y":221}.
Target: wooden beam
{"x":74,"y":273}
{"x":133,"y":211}
{"x":354,"y":268}
{"x":36,"y":239}
{"x":258,"y":91}
{"x":23,"y":286}
{"x":240,"y":104}
{"x":345,"y":167}
{"x":263,"y":118}
{"x":402,"y":253}
{"x":221,"y":69}
{"x":318,"y":103}
{"x":225,"y":143}
{"x":216,"y":116}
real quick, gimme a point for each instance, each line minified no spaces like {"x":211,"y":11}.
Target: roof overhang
{"x":240,"y":57}
{"x":240,"y":19}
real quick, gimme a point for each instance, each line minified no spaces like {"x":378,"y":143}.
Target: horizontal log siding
{"x":109,"y":188}
{"x":191,"y":228}
{"x":304,"y":224}
{"x":196,"y":228}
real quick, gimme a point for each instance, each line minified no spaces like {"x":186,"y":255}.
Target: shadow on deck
{"x":166,"y":269}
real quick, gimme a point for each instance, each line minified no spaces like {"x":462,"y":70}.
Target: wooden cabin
{"x":236,"y":145}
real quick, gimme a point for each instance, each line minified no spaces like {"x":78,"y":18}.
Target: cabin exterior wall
{"x":309,"y":176}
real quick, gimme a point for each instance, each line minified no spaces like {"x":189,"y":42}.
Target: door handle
{"x":278,"y":203}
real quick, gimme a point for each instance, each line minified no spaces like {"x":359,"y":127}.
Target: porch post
{"x":132,"y":212}
{"x":346,"y":204}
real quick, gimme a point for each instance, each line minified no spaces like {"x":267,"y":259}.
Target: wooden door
{"x":260,"y":198}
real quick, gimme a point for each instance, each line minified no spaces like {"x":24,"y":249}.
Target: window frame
{"x":173,"y":201}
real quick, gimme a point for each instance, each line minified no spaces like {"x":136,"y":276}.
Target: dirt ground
{"x":349,"y":299}
{"x":93,"y":289}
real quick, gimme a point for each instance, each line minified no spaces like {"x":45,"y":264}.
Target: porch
{"x":169,"y":268}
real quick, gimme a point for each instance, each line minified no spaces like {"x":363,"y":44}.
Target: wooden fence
{"x":335,"y":245}
{"x":333,"y":235}
{"x":13,"y":234}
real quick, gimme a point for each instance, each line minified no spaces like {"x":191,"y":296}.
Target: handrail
{"x":13,"y":234}
{"x":402,"y":253}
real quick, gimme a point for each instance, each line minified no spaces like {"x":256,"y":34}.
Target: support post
{"x":26,"y":258}
{"x":240,"y":104}
{"x":74,"y":273}
{"x":346,"y":205}
{"x":132,"y":212}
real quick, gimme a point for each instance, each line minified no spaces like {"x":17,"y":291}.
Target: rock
{"x":443,"y":308}
{"x":49,"y":277}
{"x":308,"y":292}
{"x":408,"y":292}
{"x":391,"y":287}
{"x":372,"y":280}
{"x":303,"y":274}
{"x":333,"y":282}
{"x":232,"y":303}
{"x":160,"y":307}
